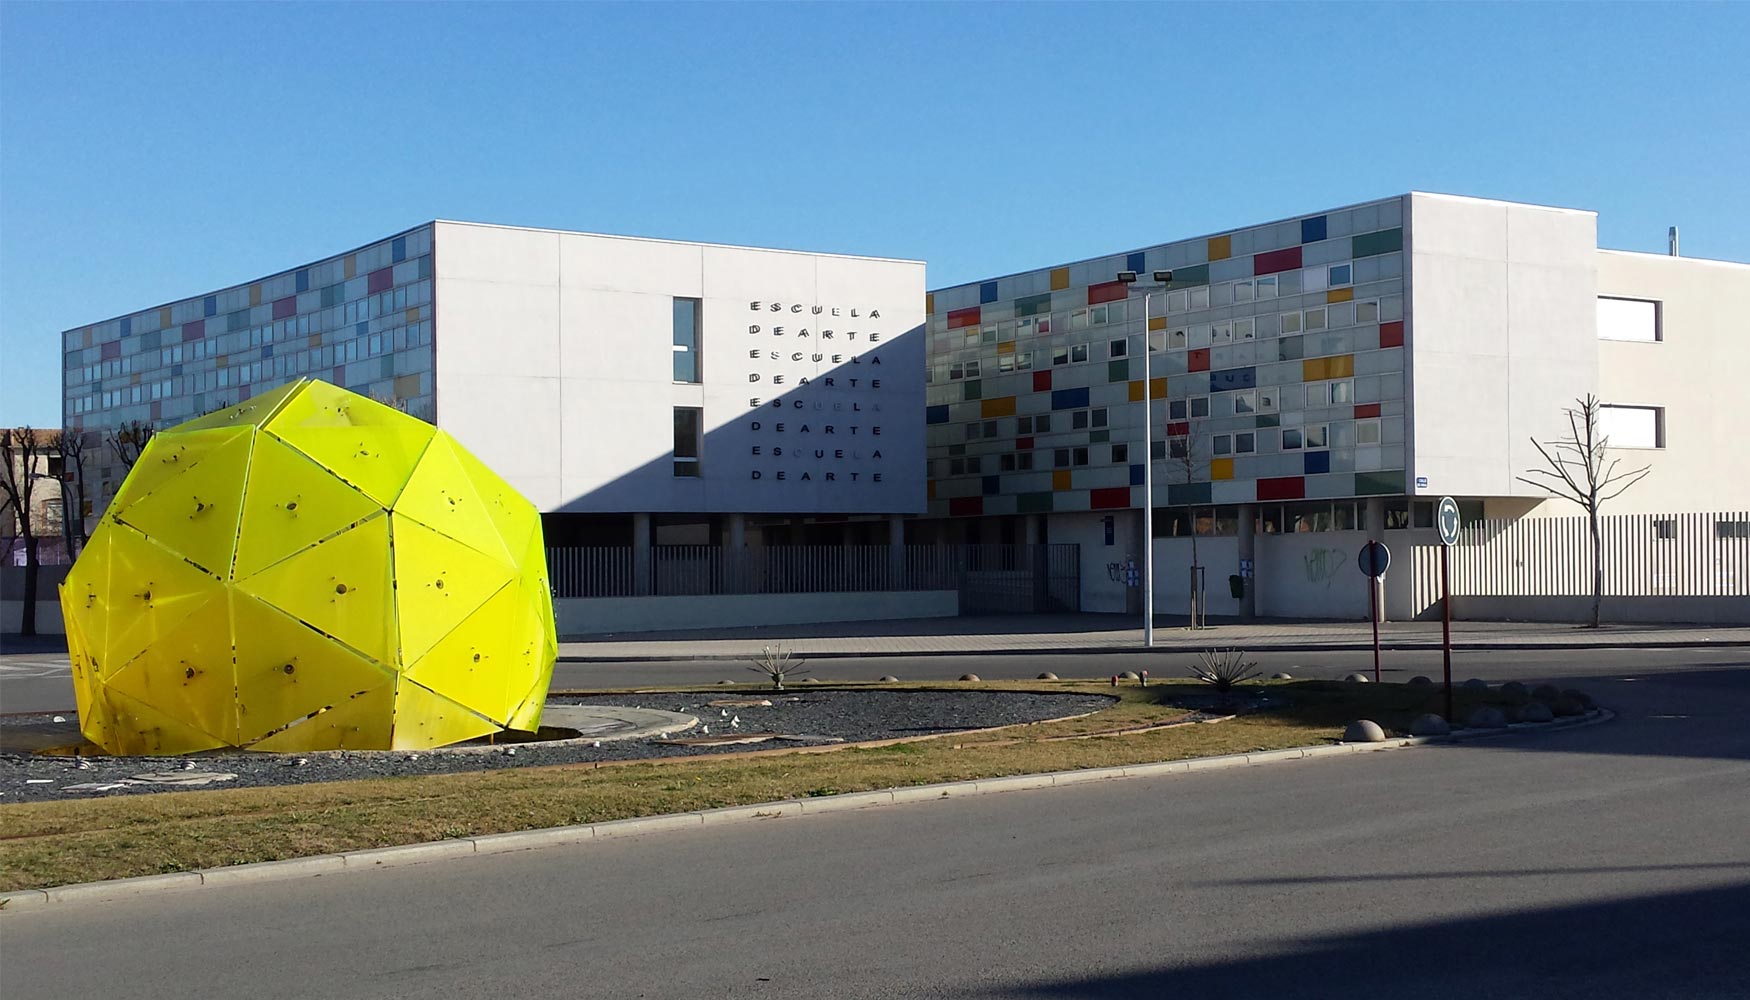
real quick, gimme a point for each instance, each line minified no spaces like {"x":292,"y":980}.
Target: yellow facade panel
{"x":1221,"y":247}
{"x":1339,"y":295}
{"x":1059,"y":278}
{"x":1060,"y":479}
{"x":1000,"y":406}
{"x":1221,"y":468}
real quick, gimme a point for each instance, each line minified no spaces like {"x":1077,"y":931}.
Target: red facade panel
{"x":381,"y":280}
{"x":1179,"y":428}
{"x":1024,"y":443}
{"x":1198,"y":360}
{"x":1366,"y":410}
{"x":113,"y":349}
{"x":1391,"y":334}
{"x":286,"y":307}
{"x":966,"y":506}
{"x":1276,"y":260}
{"x":1109,"y":498}
{"x":1282,"y":488}
{"x":1042,"y":381}
{"x":194,"y":331}
{"x":1107,"y":291}
{"x":963,"y":317}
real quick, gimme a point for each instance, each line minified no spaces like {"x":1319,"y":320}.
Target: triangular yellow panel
{"x":85,"y":595}
{"x":340,"y":586}
{"x":78,"y":657}
{"x":291,"y":503}
{"x":515,"y":517}
{"x":286,"y":670}
{"x":363,"y":722}
{"x":371,"y":446}
{"x":188,"y":675}
{"x":251,"y":413}
{"x":141,"y":729}
{"x":474,"y":666}
{"x":151,"y":591}
{"x":440,"y":497}
{"x":97,"y":724}
{"x":195,"y":514}
{"x":538,"y":590}
{"x":423,"y":719}
{"x":438,"y":582}
{"x":169,"y":455}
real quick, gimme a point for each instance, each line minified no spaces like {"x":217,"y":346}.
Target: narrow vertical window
{"x":686,"y":340}
{"x":687,"y":423}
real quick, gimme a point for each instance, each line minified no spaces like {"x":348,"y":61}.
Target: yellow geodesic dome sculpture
{"x":309,"y":570}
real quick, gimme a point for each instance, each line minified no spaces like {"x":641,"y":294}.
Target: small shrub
{"x":1224,"y":669}
{"x":778,"y":665}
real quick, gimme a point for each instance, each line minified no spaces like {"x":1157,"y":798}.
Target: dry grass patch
{"x":54,"y":843}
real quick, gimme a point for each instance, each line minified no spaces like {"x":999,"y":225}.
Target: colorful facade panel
{"x":1276,"y":357}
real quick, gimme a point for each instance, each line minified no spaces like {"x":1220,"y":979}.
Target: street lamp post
{"x":1162,"y":279}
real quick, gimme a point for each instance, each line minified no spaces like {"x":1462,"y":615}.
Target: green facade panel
{"x":1185,"y":277}
{"x":974,"y":389}
{"x":1377,"y":483}
{"x":1185,"y":494}
{"x":1118,"y":371}
{"x":1033,"y":305}
{"x":1033,"y":503}
{"x":1374,"y":244}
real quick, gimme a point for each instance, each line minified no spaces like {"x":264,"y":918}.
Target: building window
{"x":1222,"y":444}
{"x":1245,"y":402}
{"x":688,"y":424}
{"x":1120,"y":454}
{"x":1732,"y":529}
{"x":1118,"y":348}
{"x":1081,"y":456}
{"x":1315,"y":318}
{"x":1632,"y":426}
{"x":1367,"y":432}
{"x":1199,"y":407}
{"x":1060,"y":458}
{"x":1291,"y":439}
{"x":1367,"y":312}
{"x":1340,"y":275}
{"x":1665,"y":529}
{"x":1317,"y":435}
{"x":1078,"y":420}
{"x":1100,"y":417}
{"x":1629,"y":319}
{"x":1267,"y":287}
{"x":686,"y":340}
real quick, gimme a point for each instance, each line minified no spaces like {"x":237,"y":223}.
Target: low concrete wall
{"x":1651,"y":610}
{"x":48,"y":617}
{"x":598,"y":615}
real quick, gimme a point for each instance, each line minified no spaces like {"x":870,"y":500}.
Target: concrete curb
{"x":1252,"y":646}
{"x":523,"y":840}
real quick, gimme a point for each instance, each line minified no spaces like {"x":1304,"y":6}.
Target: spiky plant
{"x":1224,"y":669}
{"x":777,"y":664}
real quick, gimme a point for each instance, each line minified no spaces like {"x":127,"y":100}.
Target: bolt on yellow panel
{"x":85,"y":594}
{"x":363,"y":721}
{"x":438,"y":583}
{"x":78,"y":657}
{"x":169,"y":455}
{"x":287,"y":671}
{"x":188,"y":675}
{"x":371,"y":446}
{"x":341,"y":587}
{"x":440,"y":496}
{"x":151,"y":590}
{"x":139,"y":728}
{"x":291,"y":503}
{"x":481,"y":664}
{"x":424,"y":719}
{"x":538,"y":591}
{"x":195,"y":514}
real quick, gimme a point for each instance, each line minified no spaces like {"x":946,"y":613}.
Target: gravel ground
{"x":825,"y":716}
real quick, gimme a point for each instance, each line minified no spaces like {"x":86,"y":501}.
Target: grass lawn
{"x":82,"y":840}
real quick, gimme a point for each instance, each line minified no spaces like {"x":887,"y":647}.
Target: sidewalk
{"x":1099,"y":633}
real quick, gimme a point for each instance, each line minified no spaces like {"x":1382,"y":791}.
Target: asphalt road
{"x":1609,"y":861}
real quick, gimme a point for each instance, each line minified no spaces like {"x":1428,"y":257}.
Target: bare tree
{"x":19,"y":450}
{"x":1187,"y":456}
{"x":1581,"y":471}
{"x":71,"y":446}
{"x":129,"y":440}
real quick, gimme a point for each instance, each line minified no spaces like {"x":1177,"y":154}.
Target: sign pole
{"x":1373,"y":618}
{"x":1446,"y":622}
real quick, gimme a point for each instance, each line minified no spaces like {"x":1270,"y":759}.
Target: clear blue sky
{"x":153,"y":151}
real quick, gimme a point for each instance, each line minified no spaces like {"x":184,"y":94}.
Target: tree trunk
{"x":1597,"y":569}
{"x":27,"y":617}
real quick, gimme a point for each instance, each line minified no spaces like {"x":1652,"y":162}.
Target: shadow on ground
{"x":1688,"y":944}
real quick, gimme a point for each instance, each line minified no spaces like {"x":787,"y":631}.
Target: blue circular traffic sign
{"x":1374,"y":558}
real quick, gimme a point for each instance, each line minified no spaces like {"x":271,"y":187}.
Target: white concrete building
{"x":1317,"y":380}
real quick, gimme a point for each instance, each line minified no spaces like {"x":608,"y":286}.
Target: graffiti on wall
{"x":1323,"y":565}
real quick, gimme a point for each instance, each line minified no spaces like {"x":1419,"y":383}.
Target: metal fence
{"x":990,"y":578}
{"x":1682,"y":555}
